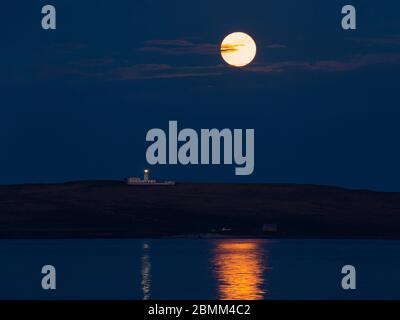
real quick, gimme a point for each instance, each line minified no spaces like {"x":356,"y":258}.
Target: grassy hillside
{"x":113,"y":209}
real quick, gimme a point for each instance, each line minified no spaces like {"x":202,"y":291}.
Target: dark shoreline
{"x":111,"y":209}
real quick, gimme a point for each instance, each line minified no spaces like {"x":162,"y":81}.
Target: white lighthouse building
{"x":146,"y":175}
{"x":146,"y":181}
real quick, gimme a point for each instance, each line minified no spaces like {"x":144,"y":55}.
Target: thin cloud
{"x":173,"y":43}
{"x":356,"y":62}
{"x":178,"y":47}
{"x":109,"y":69}
{"x":230,"y":47}
{"x":276,"y":46}
{"x":378,"y":41}
{"x":98,"y":62}
{"x":163,"y":71}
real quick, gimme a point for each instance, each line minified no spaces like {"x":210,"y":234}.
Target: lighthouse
{"x":146,"y":175}
{"x":135,"y":181}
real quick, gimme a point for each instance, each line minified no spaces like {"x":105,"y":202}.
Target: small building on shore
{"x":146,"y":181}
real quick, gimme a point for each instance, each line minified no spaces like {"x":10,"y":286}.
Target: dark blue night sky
{"x":76,"y":103}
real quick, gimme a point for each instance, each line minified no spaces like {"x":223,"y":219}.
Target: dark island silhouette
{"x":113,"y":209}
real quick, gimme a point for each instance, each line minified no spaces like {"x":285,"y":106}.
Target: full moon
{"x":238,"y":49}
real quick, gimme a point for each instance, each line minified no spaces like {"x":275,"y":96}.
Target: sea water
{"x":199,"y":269}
